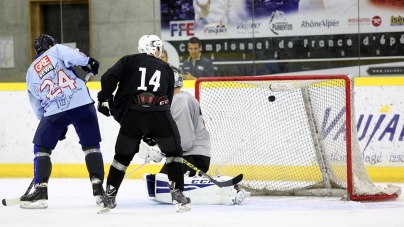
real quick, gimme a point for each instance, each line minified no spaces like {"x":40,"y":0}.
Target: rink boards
{"x":378,"y":108}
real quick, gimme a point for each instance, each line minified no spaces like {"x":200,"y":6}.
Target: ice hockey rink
{"x":71,"y":204}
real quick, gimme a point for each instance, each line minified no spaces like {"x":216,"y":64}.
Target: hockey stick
{"x":89,"y":72}
{"x":221,"y":184}
{"x":88,"y":77}
{"x":12,"y":202}
{"x":127,"y":175}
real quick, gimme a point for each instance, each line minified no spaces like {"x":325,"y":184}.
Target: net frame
{"x":350,"y":130}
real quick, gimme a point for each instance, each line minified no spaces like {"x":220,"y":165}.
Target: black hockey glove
{"x":94,"y":65}
{"x":63,"y":136}
{"x":149,"y":141}
{"x":86,"y":69}
{"x":103,"y":107}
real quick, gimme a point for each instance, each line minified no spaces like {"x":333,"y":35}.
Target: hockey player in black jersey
{"x":142,"y":106}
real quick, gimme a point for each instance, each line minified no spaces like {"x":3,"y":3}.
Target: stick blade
{"x":237,"y":179}
{"x":230,"y":182}
{"x":10,"y":202}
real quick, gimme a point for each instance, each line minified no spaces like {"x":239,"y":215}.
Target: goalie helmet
{"x":148,"y":44}
{"x":42,"y":43}
{"x":178,"y":81}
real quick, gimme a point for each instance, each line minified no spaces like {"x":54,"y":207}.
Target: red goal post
{"x":288,"y":135}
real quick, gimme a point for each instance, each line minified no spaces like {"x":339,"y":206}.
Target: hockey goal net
{"x":288,"y":135}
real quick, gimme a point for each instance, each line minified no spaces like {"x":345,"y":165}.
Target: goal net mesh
{"x":286,"y":136}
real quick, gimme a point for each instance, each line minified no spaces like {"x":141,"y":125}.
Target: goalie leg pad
{"x":199,"y":190}
{"x":150,"y":183}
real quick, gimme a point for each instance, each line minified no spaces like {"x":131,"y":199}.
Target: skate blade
{"x":98,"y":199}
{"x":103,"y":210}
{"x":40,"y":204}
{"x":179,"y":208}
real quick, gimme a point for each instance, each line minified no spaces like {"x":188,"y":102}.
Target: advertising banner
{"x":254,"y":37}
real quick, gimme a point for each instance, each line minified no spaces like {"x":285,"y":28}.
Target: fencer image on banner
{"x":252,"y":37}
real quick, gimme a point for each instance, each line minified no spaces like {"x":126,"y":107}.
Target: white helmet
{"x":178,"y":81}
{"x":148,"y":45}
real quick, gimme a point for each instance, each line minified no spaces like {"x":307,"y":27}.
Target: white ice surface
{"x":71,"y":204}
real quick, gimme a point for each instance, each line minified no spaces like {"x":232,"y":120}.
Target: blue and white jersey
{"x":53,"y":86}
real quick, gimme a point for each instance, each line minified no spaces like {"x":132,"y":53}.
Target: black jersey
{"x":136,"y":74}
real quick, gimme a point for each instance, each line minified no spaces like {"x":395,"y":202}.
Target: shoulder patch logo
{"x":43,"y":66}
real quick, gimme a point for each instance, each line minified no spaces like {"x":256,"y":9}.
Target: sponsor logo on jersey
{"x":397,"y":20}
{"x":181,"y":28}
{"x":215,"y":29}
{"x":43,"y":66}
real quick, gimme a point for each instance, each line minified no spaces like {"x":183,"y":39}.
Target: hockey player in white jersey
{"x":195,"y":141}
{"x":60,"y":98}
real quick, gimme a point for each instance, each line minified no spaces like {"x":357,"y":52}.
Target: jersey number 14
{"x":154,"y":80}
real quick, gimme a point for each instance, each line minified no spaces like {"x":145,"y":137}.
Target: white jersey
{"x":52,"y":85}
{"x":195,"y":139}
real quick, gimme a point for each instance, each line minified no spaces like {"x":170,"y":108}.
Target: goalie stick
{"x":127,"y":175}
{"x":12,"y":202}
{"x":221,"y":184}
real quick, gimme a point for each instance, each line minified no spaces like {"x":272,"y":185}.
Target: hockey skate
{"x":98,"y":190}
{"x":108,"y":201}
{"x":38,"y":199}
{"x":181,"y":203}
{"x":241,"y":195}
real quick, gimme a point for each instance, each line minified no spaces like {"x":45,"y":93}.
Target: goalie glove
{"x":149,"y":140}
{"x":150,"y":153}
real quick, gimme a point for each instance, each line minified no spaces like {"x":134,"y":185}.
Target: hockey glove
{"x":103,"y":107}
{"x":94,"y":65}
{"x":86,"y":69}
{"x":63,"y":136}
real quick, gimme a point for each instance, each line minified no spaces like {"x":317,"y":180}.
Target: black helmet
{"x":42,"y":43}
